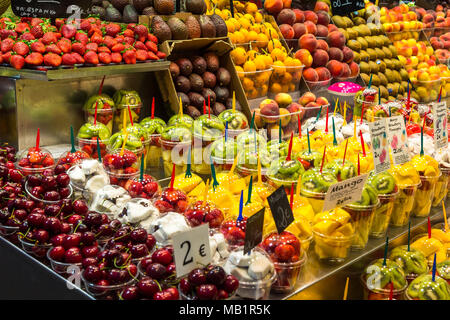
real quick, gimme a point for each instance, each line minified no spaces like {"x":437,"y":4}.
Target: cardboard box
{"x":184,"y":48}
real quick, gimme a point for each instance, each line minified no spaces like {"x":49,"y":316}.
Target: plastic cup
{"x":430,"y":88}
{"x":369,"y":113}
{"x":36,"y":168}
{"x":168,"y":151}
{"x":286,"y":78}
{"x":202,"y":150}
{"x":383,"y":214}
{"x":255,"y":84}
{"x":381,"y":294}
{"x":424,"y":196}
{"x":362,"y":217}
{"x":28,"y":191}
{"x":78,"y":189}
{"x":440,"y":193}
{"x":288,"y":121}
{"x":6,"y":231}
{"x":104,"y":116}
{"x":287,"y":274}
{"x":90,"y":146}
{"x":332,"y":250}
{"x":153,"y":150}
{"x":403,"y":205}
{"x":61,"y":267}
{"x":37,"y":250}
{"x":122,"y":111}
{"x":98,"y":290}
{"x":315,"y":86}
{"x":316,"y":199}
{"x":246,"y":173}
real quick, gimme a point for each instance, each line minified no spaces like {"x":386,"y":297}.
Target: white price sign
{"x":191,"y":249}
{"x":380,"y":146}
{"x":440,"y":125}
{"x":344,"y":192}
{"x":397,"y":140}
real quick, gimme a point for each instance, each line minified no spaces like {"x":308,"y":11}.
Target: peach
{"x":283,"y":99}
{"x":306,"y":98}
{"x":428,"y":18}
{"x":323,"y":18}
{"x":310,"y":74}
{"x":322,"y":44}
{"x":348,"y":54}
{"x":336,"y":54}
{"x":285,"y":117}
{"x":273,"y":6}
{"x":323,"y":73}
{"x":311,"y":16}
{"x":287,"y":31}
{"x":322,"y":101}
{"x":321,"y":6}
{"x":336,"y":39}
{"x":312,"y":105}
{"x":354,"y":69}
{"x":336,"y":68}
{"x":311,"y":27}
{"x":332,"y":27}
{"x":308,"y":42}
{"x":294,"y":107}
{"x":269,"y":108}
{"x":320,"y":58}
{"x":322,"y":31}
{"x":305,"y":57}
{"x":299,"y":16}
{"x":346,"y":71}
{"x":299,"y":30}
{"x":286,"y":16}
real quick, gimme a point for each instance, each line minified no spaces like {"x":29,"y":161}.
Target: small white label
{"x":344,"y":192}
{"x":191,"y":249}
{"x":397,"y":140}
{"x":440,"y":125}
{"x":380,"y":146}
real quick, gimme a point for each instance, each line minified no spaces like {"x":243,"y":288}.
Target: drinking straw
{"x":204,"y":107}
{"x":131,"y":118}
{"x":345,"y":113}
{"x":354,"y":127}
{"x":233,"y":167}
{"x":335,"y":107}
{"x":249,"y":196}
{"x":309,"y":143}
{"x":141,"y":173}
{"x":252,"y":122}
{"x":234,"y":102}
{"x":288,"y":158}
{"x":180,"y":110}
{"x":421,"y":142}
{"x":326,"y":122}
{"x":279,"y":132}
{"x":334,"y":134}
{"x":213,"y":174}
{"x":429,"y":228}
{"x":153,"y":108}
{"x":72,"y":140}
{"x":226,"y":131}
{"x":346,"y":289}
{"x":100,"y":90}
{"x":260,"y":182}
{"x":318,"y":115}
{"x":445,"y":217}
{"x":409,"y":96}
{"x":291,"y":202}
{"x":433,"y":277}
{"x":241,"y":206}
{"x":359,"y":166}
{"x":391,"y":290}
{"x":188,"y":173}
{"x":362,"y":114}
{"x":370,"y":81}
{"x":209,"y":107}
{"x":409,"y":236}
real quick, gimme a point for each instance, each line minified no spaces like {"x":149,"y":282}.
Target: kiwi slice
{"x":383,"y":182}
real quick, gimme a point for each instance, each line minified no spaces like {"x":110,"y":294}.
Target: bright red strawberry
{"x":120,"y":38}
{"x":94,"y":29}
{"x":131,"y":26}
{"x":104,"y":57}
{"x":17,"y":61}
{"x":78,"y":47}
{"x":112,"y":29}
{"x":119,"y":47}
{"x":68,"y":31}
{"x":21,"y":48}
{"x":82,"y":37}
{"x":65,"y":45}
{"x":85,"y":25}
{"x":7,"y":45}
{"x":140,"y":46}
{"x":128,"y":33}
{"x":78,"y":58}
{"x":53,"y":48}
{"x":28,"y":36}
{"x":6,"y":56}
{"x":91,"y":57}
{"x":49,"y":37}
{"x":22,"y":27}
{"x":68,"y":59}
{"x":59,"y":23}
{"x":116,"y":57}
{"x":37,"y":31}
{"x":141,"y":55}
{"x":5,"y":33}
{"x":104,"y":49}
{"x":151,"y":46}
{"x":37,"y":46}
{"x":97,"y":38}
{"x":152,"y":56}
{"x":52,"y":60}
{"x":34,"y":59}
{"x":152,"y":38}
{"x":92,"y":46}
{"x":109,"y":41}
{"x":161,"y":55}
{"x":129,"y":57}
{"x":36,"y":21}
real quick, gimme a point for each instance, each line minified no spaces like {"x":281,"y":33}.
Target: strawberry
{"x":92,"y":46}
{"x":141,"y":31}
{"x":120,"y":38}
{"x":152,"y":56}
{"x":68,"y":59}
{"x":36,"y":21}
{"x":82,"y":37}
{"x":52,"y":59}
{"x":97,"y":38}
{"x":128,"y":33}
{"x":37,"y":31}
{"x":7,"y":45}
{"x":116,"y":57}
{"x":6,"y":56}
{"x":85,"y":25}
{"x":94,"y":29}
{"x":91,"y":57}
{"x":22,"y":27}
{"x":151,"y":46}
{"x":79,"y":59}
{"x":65,"y":45}
{"x":5,"y":33}
{"x":17,"y":61}
{"x":34,"y":59}
{"x":49,"y":37}
{"x":37,"y":46}
{"x":152,"y":38}
{"x":129,"y":40}
{"x":53,"y":48}
{"x":131,"y":26}
{"x":4,"y":21}
{"x":109,"y":41}
{"x":59,"y":23}
{"x":119,"y":47}
{"x":112,"y":29}
{"x":68,"y":31}
{"x":161,"y":55}
{"x":21,"y":48}
{"x":104,"y":49}
{"x":129,"y":57}
{"x":104,"y":57}
{"x":28,"y":36}
{"x":58,"y":35}
{"x":79,"y":48}
{"x":141,"y":55}
{"x":140,"y":46}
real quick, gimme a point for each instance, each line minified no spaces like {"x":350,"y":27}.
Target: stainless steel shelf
{"x":83,"y":72}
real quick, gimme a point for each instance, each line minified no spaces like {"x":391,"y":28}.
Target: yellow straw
{"x":181,"y":109}
{"x":233,"y":167}
{"x":354,"y":127}
{"x":345,"y":113}
{"x":346,"y":290}
{"x":124,"y":124}
{"x":445,"y":217}
{"x":335,"y":108}
{"x":259,"y":172}
{"x":205,"y":193}
{"x":234,"y":101}
{"x":123,"y":145}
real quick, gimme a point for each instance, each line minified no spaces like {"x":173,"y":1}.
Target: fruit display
{"x":147,"y":187}
{"x":425,"y":288}
{"x":70,"y":158}
{"x":104,"y":106}
{"x":35,"y":160}
{"x":48,"y":188}
{"x":172,"y":200}
{"x":160,"y":266}
{"x":201,"y":212}
{"x":92,"y":135}
{"x":97,"y":43}
{"x":153,"y":152}
{"x":133,"y":241}
{"x":175,"y":142}
{"x":437,"y":245}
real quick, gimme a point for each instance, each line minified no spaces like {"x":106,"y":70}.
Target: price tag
{"x":191,"y":249}
{"x":281,"y":209}
{"x":254,"y":231}
{"x":50,"y":8}
{"x":440,"y":125}
{"x":344,"y":192}
{"x":397,"y":140}
{"x":380,"y":146}
{"x":345,"y":7}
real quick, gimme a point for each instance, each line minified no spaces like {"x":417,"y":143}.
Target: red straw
{"x":359,"y":166}
{"x":38,"y":138}
{"x":288,"y":158}
{"x":299,"y":126}
{"x":345,"y":152}
{"x":172,"y":179}
{"x":362,"y":113}
{"x":209,"y":107}
{"x":409,"y":97}
{"x":95,"y":116}
{"x":153,"y":108}
{"x":326,"y":122}
{"x":292,"y":196}
{"x":362,"y":143}
{"x":429,"y":228}
{"x":391,"y":291}
{"x":101,"y":86}
{"x":323,"y":158}
{"x":204,"y":107}
{"x":131,"y":118}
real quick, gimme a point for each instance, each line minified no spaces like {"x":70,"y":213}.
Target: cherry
{"x":66,"y":227}
{"x":48,"y":173}
{"x":185,"y":286}
{"x":53,"y":225}
{"x":52,"y":210}
{"x":49,"y":183}
{"x":92,"y":273}
{"x":139,"y":250}
{"x":231,"y":284}
{"x":89,"y":261}
{"x":74,"y":219}
{"x":57,"y":253}
{"x":103,"y":283}
{"x":148,"y":287}
{"x":60,"y":169}
{"x":162,"y":295}
{"x":222,"y":295}
{"x":114,"y":276}
{"x":37,"y":191}
{"x":174,"y":293}
{"x":88,"y":238}
{"x":171,"y":268}
{"x":64,"y":193}
{"x":206,"y":291}
{"x":52,"y":196}
{"x":58,"y":240}
{"x":72,"y":240}
{"x":42,"y":236}
{"x":197,"y":277}
{"x":36,"y":220}
{"x":156,"y":271}
{"x":132,"y":270}
{"x":15,"y":175}
{"x":73,"y":255}
{"x":93,"y":219}
{"x":67,"y":206}
{"x":80,"y":207}
{"x":130,"y":293}
{"x":138,"y":235}
{"x":150,"y":242}
{"x":146,"y":262}
{"x":216,"y":276}
{"x":90,"y":251}
{"x":162,"y":256}
{"x":20,"y":214}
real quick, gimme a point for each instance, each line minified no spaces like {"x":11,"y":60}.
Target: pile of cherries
{"x":234,"y":231}
{"x":201,"y":212}
{"x":49,"y":187}
{"x":160,"y":266}
{"x":149,"y":289}
{"x":147,"y":188}
{"x":7,"y":154}
{"x":100,"y":224}
{"x":137,"y":242}
{"x":76,"y":248}
{"x":172,"y":200}
{"x":210,"y":283}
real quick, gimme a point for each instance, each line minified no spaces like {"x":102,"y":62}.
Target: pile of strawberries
{"x":34,"y":42}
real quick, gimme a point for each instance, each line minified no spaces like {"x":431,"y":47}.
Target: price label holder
{"x":281,"y":209}
{"x":254,"y":231}
{"x":191,"y":249}
{"x":397,"y":139}
{"x":380,"y":146}
{"x":50,"y":8}
{"x":440,"y":125}
{"x":344,"y":192}
{"x":345,"y":7}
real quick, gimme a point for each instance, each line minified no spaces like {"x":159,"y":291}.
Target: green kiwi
{"x":383,"y":182}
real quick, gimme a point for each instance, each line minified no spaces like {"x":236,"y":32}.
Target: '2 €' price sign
{"x":50,"y":8}
{"x":281,"y":209}
{"x":191,"y":249}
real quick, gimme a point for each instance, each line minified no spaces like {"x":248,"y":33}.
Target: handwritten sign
{"x":344,"y":192}
{"x":440,"y":125}
{"x":397,"y":140}
{"x":380,"y":146}
{"x":191,"y":249}
{"x":281,"y":209}
{"x":254,"y":231}
{"x":50,"y":8}
{"x":345,"y":7}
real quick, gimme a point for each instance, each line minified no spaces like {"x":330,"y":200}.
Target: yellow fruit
{"x":251,"y":54}
{"x":238,"y":55}
{"x":278,"y":54}
{"x":262,"y":40}
{"x":239,"y":37}
{"x":258,"y":17}
{"x":268,"y":59}
{"x":252,"y":36}
{"x":251,"y":7}
{"x":230,"y":26}
{"x":278,"y":68}
{"x":245,"y":23}
{"x":240,"y":72}
{"x":249,"y":17}
{"x":275,"y":88}
{"x":259,"y":63}
{"x":249,"y":66}
{"x":247,"y":84}
{"x":256,"y":28}
{"x":273,"y":44}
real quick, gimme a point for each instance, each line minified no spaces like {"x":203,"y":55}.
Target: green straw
{"x":370,"y":81}
{"x":98,"y":151}
{"x":72,"y":140}
{"x":421,"y":142}
{"x":334,"y":134}
{"x":141,"y":174}
{"x":213,"y":173}
{"x":249,"y":200}
{"x":188,"y":173}
{"x":309,"y":143}
{"x":279,"y":132}
{"x":252,"y":122}
{"x":386,"y":251}
{"x":318,"y":115}
{"x":409,"y":235}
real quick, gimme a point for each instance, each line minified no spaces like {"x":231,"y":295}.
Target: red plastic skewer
{"x":288,"y":158}
{"x":362,"y":143}
{"x":131,"y":118}
{"x":38,"y":139}
{"x":326,"y":122}
{"x":100,"y":90}
{"x":153,"y":108}
{"x":172,"y":179}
